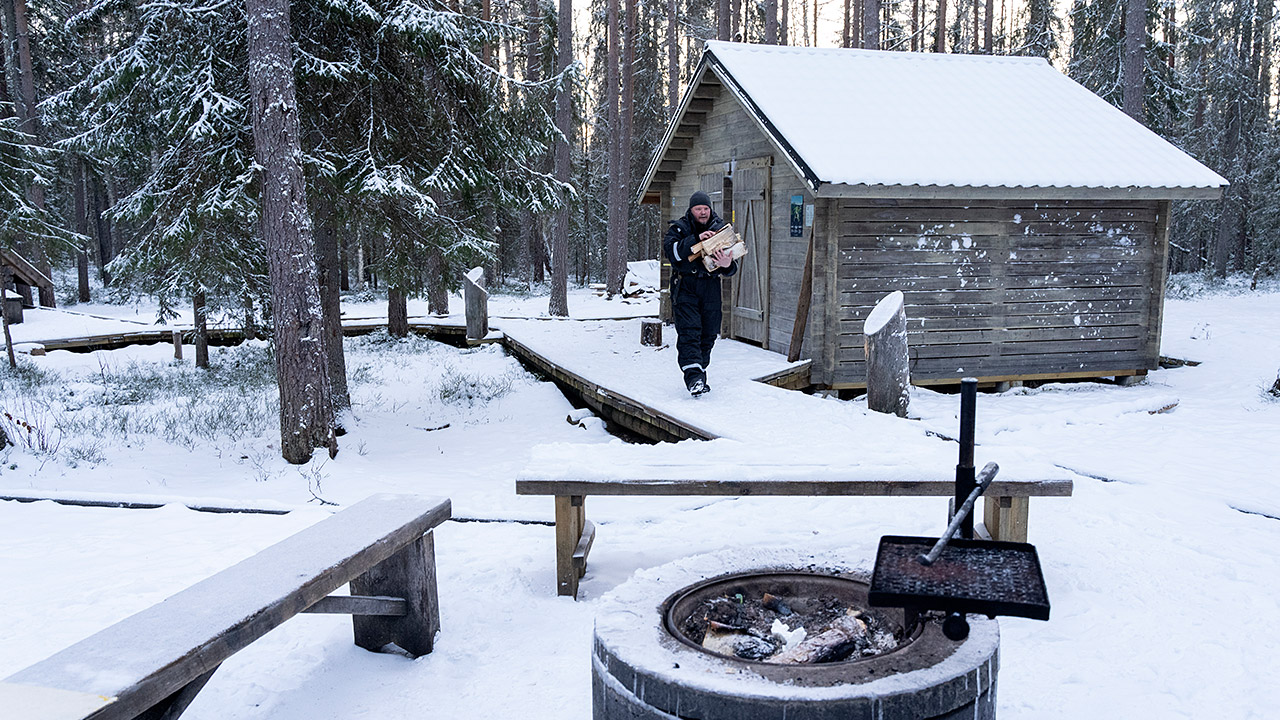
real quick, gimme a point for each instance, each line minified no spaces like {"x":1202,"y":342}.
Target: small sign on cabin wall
{"x":797,"y":215}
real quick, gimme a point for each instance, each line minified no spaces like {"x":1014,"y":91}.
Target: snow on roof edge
{"x":1190,"y":177}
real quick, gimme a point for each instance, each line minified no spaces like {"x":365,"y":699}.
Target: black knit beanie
{"x":699,"y":198}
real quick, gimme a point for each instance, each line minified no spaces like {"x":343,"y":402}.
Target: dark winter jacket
{"x":678,"y":244}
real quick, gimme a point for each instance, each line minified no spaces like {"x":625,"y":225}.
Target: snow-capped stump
{"x":888,"y":371}
{"x":477,"y":301}
{"x":651,"y":332}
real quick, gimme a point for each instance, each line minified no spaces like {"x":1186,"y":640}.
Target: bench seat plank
{"x":148,"y":656}
{"x":799,"y":487}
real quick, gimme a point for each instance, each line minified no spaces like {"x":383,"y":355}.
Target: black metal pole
{"x":965,"y":481}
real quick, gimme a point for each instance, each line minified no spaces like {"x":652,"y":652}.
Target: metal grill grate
{"x":971,"y":576}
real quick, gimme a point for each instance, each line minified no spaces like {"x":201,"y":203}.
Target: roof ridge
{"x":885,"y":54}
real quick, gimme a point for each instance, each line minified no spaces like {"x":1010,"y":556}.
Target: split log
{"x":477,"y":302}
{"x":888,"y":362}
{"x":651,"y":333}
{"x":847,"y":631}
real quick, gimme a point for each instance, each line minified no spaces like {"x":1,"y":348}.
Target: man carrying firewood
{"x":695,"y":290}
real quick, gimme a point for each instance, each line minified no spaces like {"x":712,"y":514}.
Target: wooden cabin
{"x":1025,"y":219}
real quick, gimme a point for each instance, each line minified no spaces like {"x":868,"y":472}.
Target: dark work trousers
{"x":695,"y":308}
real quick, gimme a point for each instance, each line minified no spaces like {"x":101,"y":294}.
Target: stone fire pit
{"x":645,"y":666}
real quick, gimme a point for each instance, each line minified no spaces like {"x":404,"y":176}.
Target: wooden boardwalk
{"x":603,"y":364}
{"x":442,"y":330}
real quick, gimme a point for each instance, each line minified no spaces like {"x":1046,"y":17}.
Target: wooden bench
{"x":152,"y":664}
{"x":1006,"y":509}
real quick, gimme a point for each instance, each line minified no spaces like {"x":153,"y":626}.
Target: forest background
{"x":433,"y":137}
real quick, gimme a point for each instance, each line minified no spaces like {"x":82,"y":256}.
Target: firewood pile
{"x":724,"y":239}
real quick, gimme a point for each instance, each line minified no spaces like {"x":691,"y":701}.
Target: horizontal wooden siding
{"x":1002,"y":289}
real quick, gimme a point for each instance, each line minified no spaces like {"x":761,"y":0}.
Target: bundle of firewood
{"x":724,"y":239}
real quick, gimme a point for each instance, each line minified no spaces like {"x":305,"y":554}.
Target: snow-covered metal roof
{"x":857,"y":119}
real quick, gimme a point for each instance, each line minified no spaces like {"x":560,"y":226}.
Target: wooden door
{"x":751,"y":202}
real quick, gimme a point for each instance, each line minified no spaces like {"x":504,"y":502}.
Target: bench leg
{"x":570,"y":520}
{"x":410,"y":574}
{"x":173,"y":706}
{"x":1006,"y":518}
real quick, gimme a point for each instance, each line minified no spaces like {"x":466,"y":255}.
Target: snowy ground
{"x":1162,"y":568}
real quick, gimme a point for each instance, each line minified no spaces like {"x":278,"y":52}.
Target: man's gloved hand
{"x":723,"y":258}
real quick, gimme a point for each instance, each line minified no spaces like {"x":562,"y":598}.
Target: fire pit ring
{"x":640,"y":670}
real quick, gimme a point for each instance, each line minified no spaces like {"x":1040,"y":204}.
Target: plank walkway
{"x":639,"y":387}
{"x":444,"y":329}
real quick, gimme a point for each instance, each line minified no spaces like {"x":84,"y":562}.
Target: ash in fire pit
{"x":787,"y":630}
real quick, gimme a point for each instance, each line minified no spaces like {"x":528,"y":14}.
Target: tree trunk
{"x":559,"y":304}
{"x":200,"y":311}
{"x":915,"y":25}
{"x":397,"y":313}
{"x":724,"y":20}
{"x":737,"y":29}
{"x":988,"y":28}
{"x":977,"y":19}
{"x":784,"y":34}
{"x":871,"y":24}
{"x":940,"y":28}
{"x":6,"y":278}
{"x":627,"y":110}
{"x":771,"y":22}
{"x":102,"y":228}
{"x":532,"y":254}
{"x":437,"y":283}
{"x":673,"y":58}
{"x":79,"y":222}
{"x":848,"y":22}
{"x":326,"y":236}
{"x":486,"y":15}
{"x":1135,"y":34}
{"x":29,"y":116}
{"x":306,"y":403}
{"x":344,"y":260}
{"x":617,"y":222}
{"x":855,"y":24}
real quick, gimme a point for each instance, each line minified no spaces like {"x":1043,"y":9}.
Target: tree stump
{"x":477,"y":302}
{"x":177,"y":344}
{"x":888,"y":363}
{"x":651,"y":333}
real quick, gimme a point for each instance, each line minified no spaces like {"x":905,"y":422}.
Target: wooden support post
{"x":888,"y":362}
{"x":177,"y":345}
{"x":477,"y":304}
{"x":174,"y":705}
{"x":802,"y":304}
{"x":1006,"y":518}
{"x":570,"y":517}
{"x":409,"y":574}
{"x":651,"y":332}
